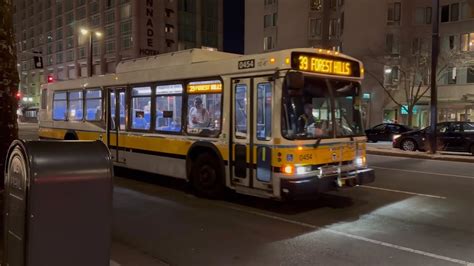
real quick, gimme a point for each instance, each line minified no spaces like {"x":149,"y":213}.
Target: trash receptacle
{"x":58,"y":203}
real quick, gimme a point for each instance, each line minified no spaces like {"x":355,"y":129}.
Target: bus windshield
{"x":323,"y":108}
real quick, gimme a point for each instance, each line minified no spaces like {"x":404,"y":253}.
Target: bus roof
{"x":193,"y":63}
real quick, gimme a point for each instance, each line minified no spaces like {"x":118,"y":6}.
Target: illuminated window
{"x":76,"y":112}
{"x":264,"y":111}
{"x":241,"y":111}
{"x":168,"y":107}
{"x":60,"y":106}
{"x":467,"y":42}
{"x":94,"y":105}
{"x":391,"y":75}
{"x":204,"y":108}
{"x":141,"y":108}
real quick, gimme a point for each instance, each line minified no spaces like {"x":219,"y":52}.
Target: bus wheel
{"x":206,"y":176}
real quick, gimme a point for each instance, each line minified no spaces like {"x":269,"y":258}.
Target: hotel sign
{"x":148,"y":27}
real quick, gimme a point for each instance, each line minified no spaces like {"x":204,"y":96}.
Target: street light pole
{"x":90,"y":70}
{"x":91,"y":55}
{"x":434,"y":66}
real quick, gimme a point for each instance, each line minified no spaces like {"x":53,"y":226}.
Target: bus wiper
{"x":318,"y":141}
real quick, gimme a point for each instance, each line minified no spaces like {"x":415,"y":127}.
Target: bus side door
{"x":241,"y":135}
{"x":252,"y":129}
{"x":263,"y":133}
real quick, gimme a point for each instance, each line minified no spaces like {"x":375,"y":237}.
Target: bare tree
{"x":412,"y":77}
{"x":8,"y":83}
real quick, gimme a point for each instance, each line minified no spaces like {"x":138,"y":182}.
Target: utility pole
{"x":91,"y":55}
{"x":434,"y":66}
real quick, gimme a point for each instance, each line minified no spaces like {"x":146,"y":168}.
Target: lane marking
{"x":421,"y":172}
{"x":404,"y":192}
{"x":361,"y":238}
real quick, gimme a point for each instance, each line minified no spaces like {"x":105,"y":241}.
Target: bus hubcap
{"x":207,"y":176}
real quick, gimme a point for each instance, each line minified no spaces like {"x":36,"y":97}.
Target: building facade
{"x":117,"y":30}
{"x":392,"y":38}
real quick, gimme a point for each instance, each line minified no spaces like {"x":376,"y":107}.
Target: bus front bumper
{"x":309,"y":187}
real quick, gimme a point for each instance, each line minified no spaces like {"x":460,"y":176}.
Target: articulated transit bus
{"x":280,"y":125}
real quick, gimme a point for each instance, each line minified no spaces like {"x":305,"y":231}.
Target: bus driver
{"x":308,"y":123}
{"x":198,"y":115}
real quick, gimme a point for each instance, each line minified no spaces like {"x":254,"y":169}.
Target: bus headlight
{"x":360,"y":161}
{"x":301,"y":170}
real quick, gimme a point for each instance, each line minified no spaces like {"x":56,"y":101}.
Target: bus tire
{"x":206,"y":176}
{"x":70,"y":136}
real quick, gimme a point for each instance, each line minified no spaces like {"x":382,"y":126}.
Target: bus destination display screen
{"x":325,"y":64}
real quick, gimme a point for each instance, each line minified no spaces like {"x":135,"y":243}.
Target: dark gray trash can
{"x":58,"y":203}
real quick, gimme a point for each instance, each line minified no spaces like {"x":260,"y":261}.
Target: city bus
{"x":279,"y":125}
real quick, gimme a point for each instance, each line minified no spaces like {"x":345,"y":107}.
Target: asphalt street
{"x":418,"y":212}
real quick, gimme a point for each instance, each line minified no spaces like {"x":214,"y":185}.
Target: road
{"x":418,"y":212}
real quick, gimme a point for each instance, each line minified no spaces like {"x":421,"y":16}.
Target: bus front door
{"x":251,"y":154}
{"x":116,"y":123}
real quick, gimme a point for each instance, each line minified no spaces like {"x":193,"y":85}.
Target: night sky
{"x":234,"y":20}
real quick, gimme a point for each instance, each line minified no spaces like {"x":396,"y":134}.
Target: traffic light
{"x":50,"y":79}
{"x":38,"y":61}
{"x":18,"y":95}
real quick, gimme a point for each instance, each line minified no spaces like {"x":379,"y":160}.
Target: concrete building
{"x":127,"y":29}
{"x":391,"y":37}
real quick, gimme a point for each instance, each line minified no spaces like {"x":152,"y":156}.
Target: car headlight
{"x":396,"y":137}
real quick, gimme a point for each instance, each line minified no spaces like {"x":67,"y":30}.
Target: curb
{"x":436,"y":157}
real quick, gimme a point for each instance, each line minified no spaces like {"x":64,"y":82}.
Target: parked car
{"x":385,"y":131}
{"x":450,"y":136}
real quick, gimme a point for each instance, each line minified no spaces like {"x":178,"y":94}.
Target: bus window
{"x":60,"y":106}
{"x":264,"y":111}
{"x":168,"y":108}
{"x":241,"y":111}
{"x":141,"y":108}
{"x":93,"y":105}
{"x":204,"y":107}
{"x":204,"y":114}
{"x":75,"y":106}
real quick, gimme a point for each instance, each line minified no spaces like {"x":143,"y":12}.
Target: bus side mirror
{"x":295,"y":80}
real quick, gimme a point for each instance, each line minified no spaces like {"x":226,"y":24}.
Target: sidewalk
{"x":385,"y":148}
{"x":120,"y":253}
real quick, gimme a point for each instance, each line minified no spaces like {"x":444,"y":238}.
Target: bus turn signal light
{"x":288,"y":169}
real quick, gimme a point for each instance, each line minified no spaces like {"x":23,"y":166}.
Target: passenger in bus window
{"x":198,"y":115}
{"x":160,"y":121}
{"x":140,"y":122}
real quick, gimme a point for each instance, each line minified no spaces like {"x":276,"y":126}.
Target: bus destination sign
{"x":325,"y":64}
